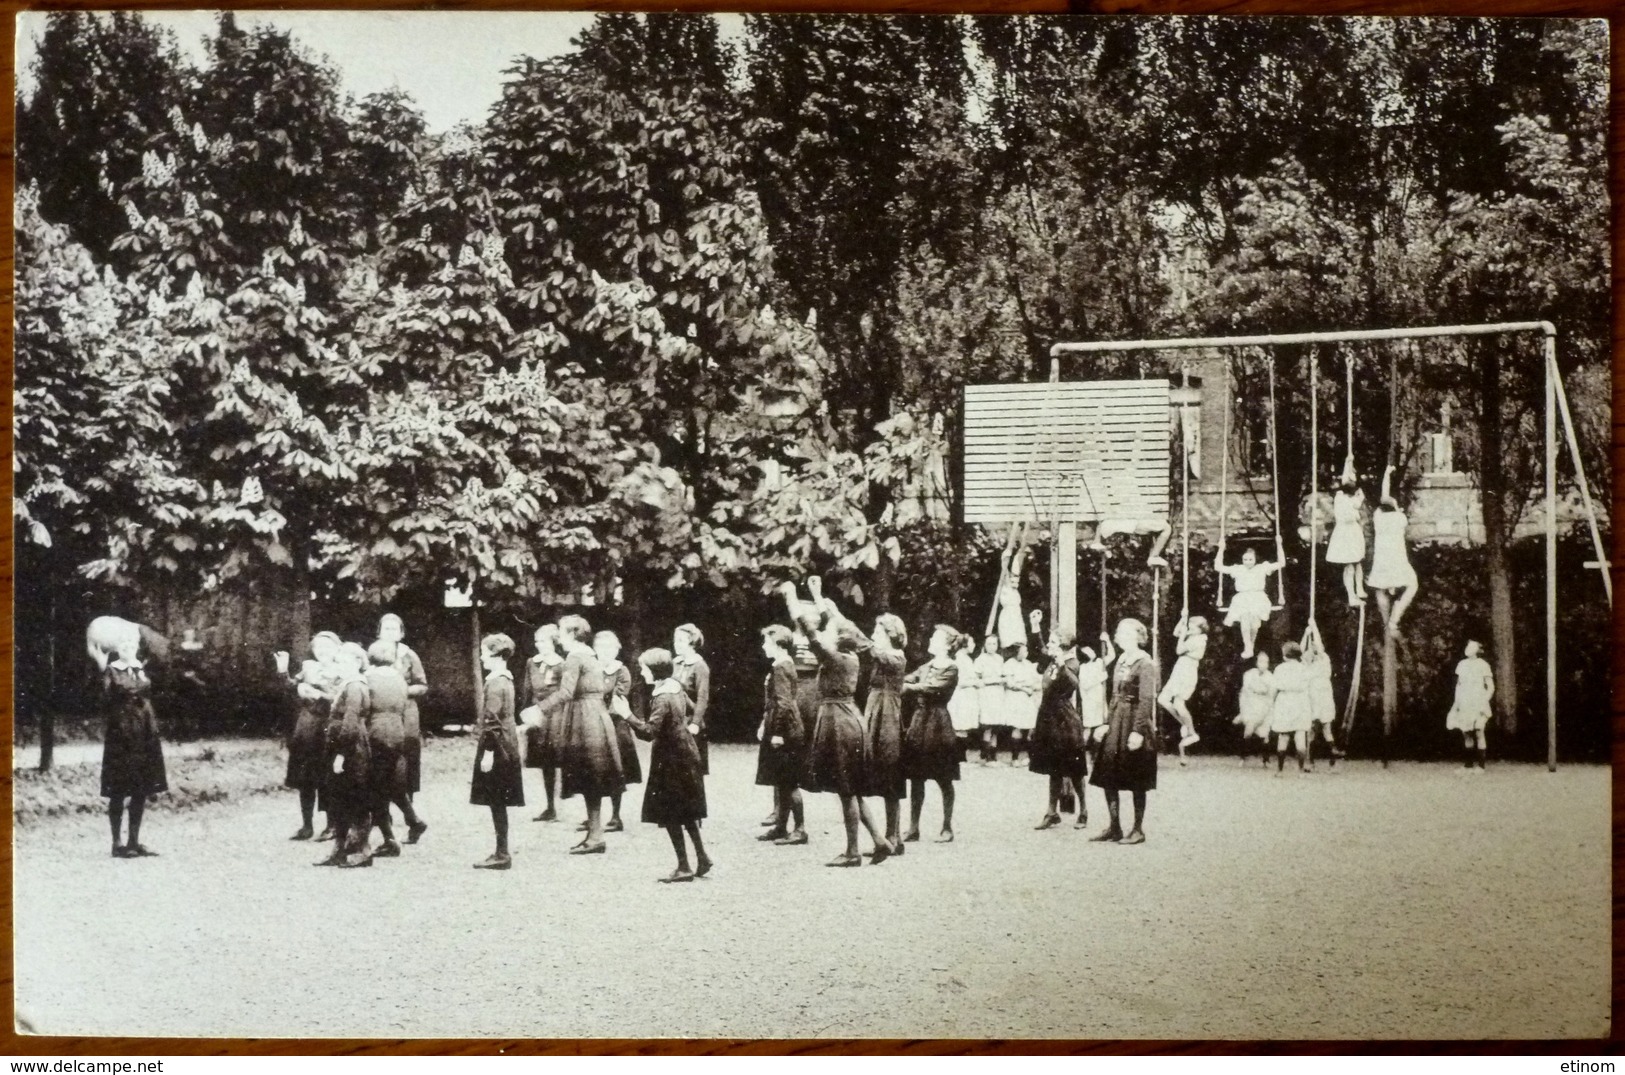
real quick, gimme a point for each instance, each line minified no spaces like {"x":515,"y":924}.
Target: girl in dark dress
{"x":883,"y":723}
{"x":542,"y":731}
{"x":780,"y":759}
{"x":931,"y":749}
{"x":836,"y":755}
{"x":690,"y":669}
{"x":675,"y":796}
{"x":1127,"y":758}
{"x":1058,"y":746}
{"x":498,"y":781}
{"x":391,"y":630}
{"x":806,"y":665}
{"x":132,"y":753}
{"x":618,"y":678}
{"x":314,"y":687}
{"x":589,"y":753}
{"x":386,"y":744}
{"x":346,"y":776}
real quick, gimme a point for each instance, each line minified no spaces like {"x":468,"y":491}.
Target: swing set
{"x":1556,"y":406}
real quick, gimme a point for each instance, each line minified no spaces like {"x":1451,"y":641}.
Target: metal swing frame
{"x":1556,"y":404}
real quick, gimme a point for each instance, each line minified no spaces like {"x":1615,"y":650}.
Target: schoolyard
{"x":1412,"y":902}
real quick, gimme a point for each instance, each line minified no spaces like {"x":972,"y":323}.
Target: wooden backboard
{"x":1077,"y":451}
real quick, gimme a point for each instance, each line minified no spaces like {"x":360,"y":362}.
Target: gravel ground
{"x":1409,"y":903}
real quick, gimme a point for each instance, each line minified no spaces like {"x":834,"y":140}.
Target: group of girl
{"x":814,"y":738}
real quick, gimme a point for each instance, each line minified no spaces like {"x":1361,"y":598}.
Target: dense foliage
{"x":694,"y":314}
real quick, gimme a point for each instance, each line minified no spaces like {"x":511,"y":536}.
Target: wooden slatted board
{"x":1077,"y":451}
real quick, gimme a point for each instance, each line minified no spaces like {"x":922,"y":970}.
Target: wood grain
{"x":1612,"y":10}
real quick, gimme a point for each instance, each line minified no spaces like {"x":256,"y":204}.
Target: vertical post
{"x":479,"y":669}
{"x":1390,"y":692}
{"x":1064,"y":573}
{"x":1550,"y":344}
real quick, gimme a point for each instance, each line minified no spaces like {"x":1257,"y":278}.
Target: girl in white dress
{"x":964,"y":707}
{"x":1191,"y":635}
{"x":991,"y":697}
{"x":1094,"y":672}
{"x":1022,"y":684}
{"x":1289,"y":714}
{"x":1317,"y":666}
{"x":1347,"y":543}
{"x":1253,"y":707}
{"x":1250,"y":604}
{"x":1390,"y":560}
{"x":1470,"y":714}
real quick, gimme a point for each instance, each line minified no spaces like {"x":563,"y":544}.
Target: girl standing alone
{"x":498,"y":781}
{"x":930,"y":749}
{"x":783,"y":738}
{"x":132,"y":752}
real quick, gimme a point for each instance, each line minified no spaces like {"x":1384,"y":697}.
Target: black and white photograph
{"x":686,"y":526}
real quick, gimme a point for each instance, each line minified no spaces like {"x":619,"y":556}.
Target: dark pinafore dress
{"x":542,"y":738}
{"x":132,"y":751}
{"x":675,"y":793}
{"x":390,"y":773}
{"x":835,"y":755}
{"x":695,"y":677}
{"x":498,"y":778}
{"x":307,"y":740}
{"x":619,"y":703}
{"x":589,"y":752}
{"x":347,"y":756}
{"x":1133,"y":709}
{"x":781,"y":766}
{"x":410,"y":667}
{"x":931,"y":748}
{"x":1058,"y":745}
{"x":883,"y":727}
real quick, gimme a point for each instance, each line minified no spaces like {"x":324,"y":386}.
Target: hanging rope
{"x":1224,"y":482}
{"x":1348,"y":401}
{"x":1275,"y":481}
{"x":1314,"y":478}
{"x":1185,"y":494}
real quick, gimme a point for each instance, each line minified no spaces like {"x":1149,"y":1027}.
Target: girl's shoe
{"x":546,"y":815}
{"x":1135,"y":837}
{"x":327,"y":834}
{"x":121,"y":852}
{"x":389,"y":849}
{"x":1082,"y":822}
{"x":495,"y":862}
{"x":946,"y":837}
{"x":845,"y":860}
{"x":140,"y":851}
{"x":1110,"y":836}
{"x":703,"y":866}
{"x":677,"y":876}
{"x":589,"y":849}
{"x":305,"y":832}
{"x":881,"y":853}
{"x":772,"y":836}
{"x":1049,"y":822}
{"x":797,"y":837}
{"x":415,"y":832}
{"x":913,"y":837}
{"x":615,"y":826}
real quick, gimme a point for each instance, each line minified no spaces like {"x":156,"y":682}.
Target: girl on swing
{"x":1390,"y":560}
{"x":1250,"y":604}
{"x":1347,"y":543}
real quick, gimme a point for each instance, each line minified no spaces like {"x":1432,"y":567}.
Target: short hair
{"x":606,"y":636}
{"x":381,"y":653}
{"x":354,"y":652}
{"x":325,"y":635}
{"x":1197,"y":623}
{"x":1291,"y":651}
{"x":390,"y":617}
{"x":1066,"y":637}
{"x":497,"y":645}
{"x":1139,"y":628}
{"x":950,"y":634}
{"x":695,"y":637}
{"x":551,"y":630}
{"x":576,"y":628}
{"x":779,"y":635}
{"x":893,"y":626}
{"x":848,"y":639}
{"x":657,"y":661}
